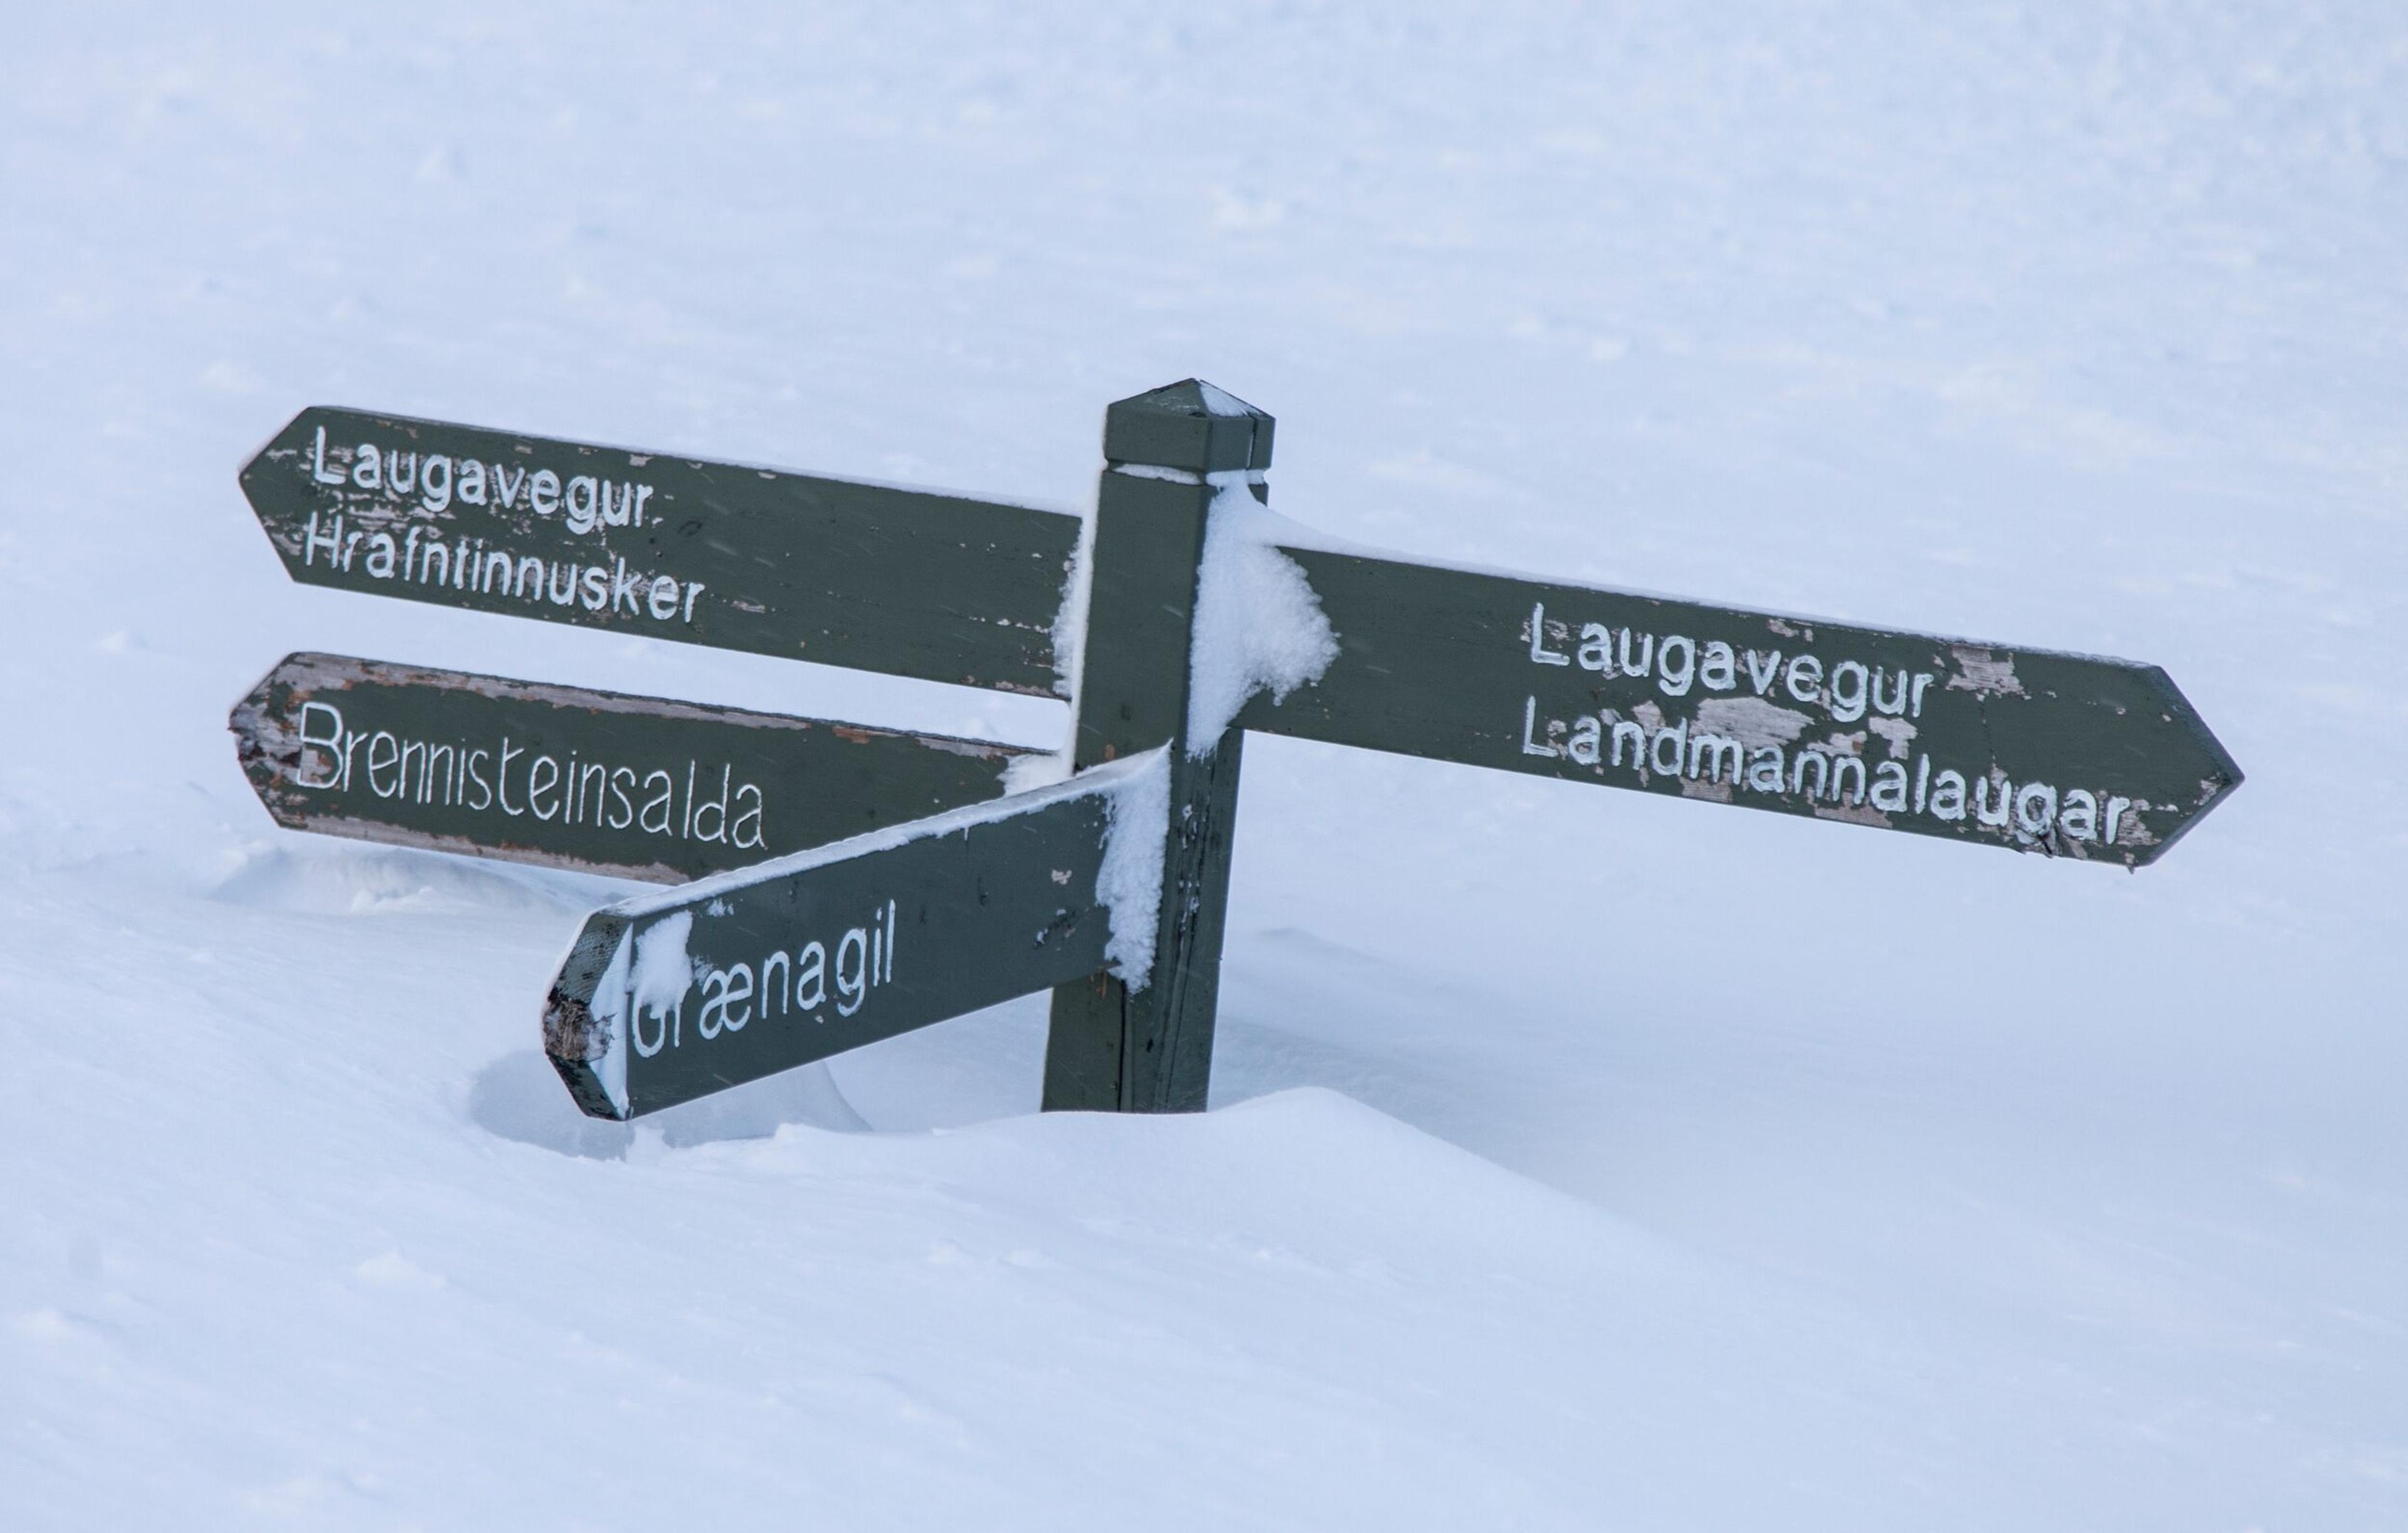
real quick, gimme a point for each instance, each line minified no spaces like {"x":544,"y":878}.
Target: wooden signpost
{"x":1143,"y":1042}
{"x":856,"y":882}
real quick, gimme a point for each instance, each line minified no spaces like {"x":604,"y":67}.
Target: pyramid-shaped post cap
{"x":1189,"y":425}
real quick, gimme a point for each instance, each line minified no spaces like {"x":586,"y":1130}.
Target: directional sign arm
{"x":904,"y":581}
{"x":681,"y":994}
{"x":569,"y":777}
{"x":2067,"y":754}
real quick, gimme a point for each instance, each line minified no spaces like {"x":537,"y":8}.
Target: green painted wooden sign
{"x":676,"y":996}
{"x":567,"y":777}
{"x":790,"y":949}
{"x":2066,"y":754}
{"x":905,"y":581}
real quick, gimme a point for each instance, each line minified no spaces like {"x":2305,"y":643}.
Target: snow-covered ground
{"x":1579,"y":1159}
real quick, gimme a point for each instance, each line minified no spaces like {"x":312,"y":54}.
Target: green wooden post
{"x":1113,"y":1048}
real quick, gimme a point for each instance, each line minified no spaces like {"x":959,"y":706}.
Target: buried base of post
{"x":1114,"y":1048}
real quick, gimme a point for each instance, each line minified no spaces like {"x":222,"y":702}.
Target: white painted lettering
{"x":318,"y":461}
{"x":1531,"y":746}
{"x":2078,"y":818}
{"x":1842,"y":768}
{"x":581,"y":504}
{"x":1848,"y":689}
{"x":1764,"y":769}
{"x":502,"y":775}
{"x":1719,"y":670}
{"x":1587,"y":733}
{"x":1709,"y":755}
{"x":434,"y":482}
{"x":1677,"y":737}
{"x":385,"y":755}
{"x":1596,"y":648}
{"x":1982,"y":787}
{"x":1948,"y":795}
{"x":543,"y":777}
{"x":1673,"y":677}
{"x":810,"y":977}
{"x":1762,"y":667}
{"x":311,"y":541}
{"x":622,"y":590}
{"x":852,"y":971}
{"x":1628,"y":732}
{"x":1886,"y":703}
{"x":331,"y":742}
{"x":1645,"y":662}
{"x":717,"y":808}
{"x":1889,"y":787}
{"x":659,"y":800}
{"x":2036,"y":811}
{"x":737,"y":833}
{"x":714,"y":1004}
{"x":1540,"y":653}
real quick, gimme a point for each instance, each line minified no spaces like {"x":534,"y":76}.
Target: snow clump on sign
{"x":1258,"y":626}
{"x":1137,"y":829}
{"x":663,"y":974}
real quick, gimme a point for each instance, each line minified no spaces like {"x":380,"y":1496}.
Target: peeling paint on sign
{"x":2029,"y":750}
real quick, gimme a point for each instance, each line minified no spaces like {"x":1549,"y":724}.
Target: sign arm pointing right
{"x":2065,"y":754}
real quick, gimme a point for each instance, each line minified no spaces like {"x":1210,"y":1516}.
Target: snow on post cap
{"x":1188,"y":425}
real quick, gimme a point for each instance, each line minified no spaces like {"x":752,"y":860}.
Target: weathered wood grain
{"x":638,"y":787}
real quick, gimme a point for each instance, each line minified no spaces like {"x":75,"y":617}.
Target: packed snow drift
{"x":1576,"y":1160}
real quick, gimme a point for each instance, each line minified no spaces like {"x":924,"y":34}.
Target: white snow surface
{"x":1220,"y":401}
{"x":1258,"y":626}
{"x":1579,"y":1159}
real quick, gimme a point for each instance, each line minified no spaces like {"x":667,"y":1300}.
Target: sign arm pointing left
{"x":674,"y":995}
{"x":905,"y":581}
{"x":569,"y":777}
